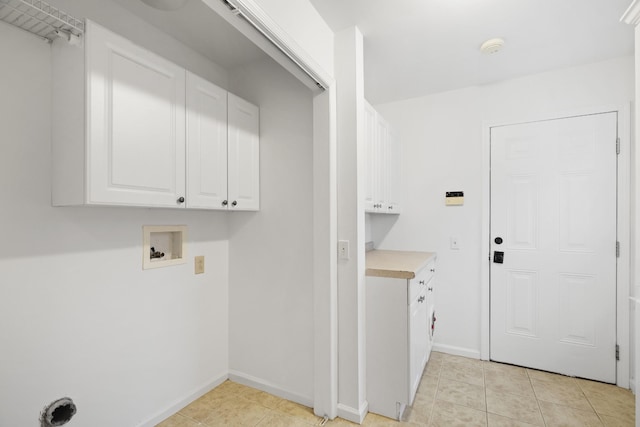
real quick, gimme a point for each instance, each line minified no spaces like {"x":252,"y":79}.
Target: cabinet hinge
{"x":617,"y":249}
{"x":617,"y":352}
{"x":618,"y":145}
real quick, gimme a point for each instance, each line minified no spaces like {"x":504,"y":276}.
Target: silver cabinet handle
{"x":430,"y":289}
{"x":225,"y":203}
{"x":390,"y":207}
{"x":433,"y":270}
{"x":234,"y":203}
{"x":421,"y":282}
{"x":421,"y":299}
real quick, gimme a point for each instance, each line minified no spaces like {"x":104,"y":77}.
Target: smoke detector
{"x":492,"y":46}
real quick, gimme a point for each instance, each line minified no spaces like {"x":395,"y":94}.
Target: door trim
{"x":623,"y":218}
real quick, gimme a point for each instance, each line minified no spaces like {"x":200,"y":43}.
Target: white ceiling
{"x":417,"y":47}
{"x":202,"y":29}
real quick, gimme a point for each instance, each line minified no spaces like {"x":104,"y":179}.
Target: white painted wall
{"x":441,"y":138}
{"x":78,"y":315}
{"x":271,"y":251}
{"x":305,"y":25}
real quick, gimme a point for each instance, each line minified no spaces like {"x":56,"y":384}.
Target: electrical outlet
{"x":199,"y":264}
{"x":343,"y":249}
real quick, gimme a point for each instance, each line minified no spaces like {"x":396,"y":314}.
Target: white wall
{"x":78,"y":315}
{"x":271,"y":251}
{"x":305,"y":25}
{"x":441,"y":137}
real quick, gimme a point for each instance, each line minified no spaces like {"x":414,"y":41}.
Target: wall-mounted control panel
{"x":454,"y":198}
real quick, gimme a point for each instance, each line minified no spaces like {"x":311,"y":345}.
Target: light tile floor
{"x":454,"y":391}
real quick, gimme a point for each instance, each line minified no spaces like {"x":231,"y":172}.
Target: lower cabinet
{"x":399,"y":315}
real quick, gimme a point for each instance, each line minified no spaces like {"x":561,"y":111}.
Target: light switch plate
{"x":199,"y":264}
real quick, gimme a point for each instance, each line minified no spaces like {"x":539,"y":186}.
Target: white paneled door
{"x":553,"y":245}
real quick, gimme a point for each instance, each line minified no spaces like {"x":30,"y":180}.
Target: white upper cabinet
{"x":382,"y":161}
{"x":393,"y":177}
{"x":244,"y":155}
{"x":136,"y":124}
{"x":371,"y":141}
{"x":133,"y":129}
{"x":206,"y":144}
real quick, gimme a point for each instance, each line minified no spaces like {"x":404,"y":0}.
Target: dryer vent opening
{"x":58,"y":413}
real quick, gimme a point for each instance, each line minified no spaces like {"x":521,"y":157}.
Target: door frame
{"x":623,"y":227}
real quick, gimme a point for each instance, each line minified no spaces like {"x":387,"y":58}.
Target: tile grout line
{"x":433,"y":403}
{"x":591,"y":404}
{"x":484,"y":379}
{"x":544,"y":420}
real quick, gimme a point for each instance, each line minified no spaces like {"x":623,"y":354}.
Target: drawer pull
{"x":421,"y":299}
{"x":421,"y":282}
{"x":430,"y":289}
{"x":433,"y":270}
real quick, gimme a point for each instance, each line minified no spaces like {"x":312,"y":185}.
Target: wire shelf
{"x":40,"y":18}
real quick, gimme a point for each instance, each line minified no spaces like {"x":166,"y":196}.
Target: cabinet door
{"x":371,"y":144}
{"x":393,"y":177}
{"x":418,"y":340}
{"x":382,"y":166}
{"x":136,"y":124}
{"x":244,"y":155}
{"x":206,"y":144}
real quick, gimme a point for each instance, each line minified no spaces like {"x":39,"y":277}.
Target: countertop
{"x":396,"y":264}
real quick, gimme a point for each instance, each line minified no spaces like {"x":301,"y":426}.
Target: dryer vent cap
{"x":492,"y":46}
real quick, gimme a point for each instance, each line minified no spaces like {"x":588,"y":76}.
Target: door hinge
{"x":617,"y":249}
{"x":617,"y":352}
{"x":618,"y":145}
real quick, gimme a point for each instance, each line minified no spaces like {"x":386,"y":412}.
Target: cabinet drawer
{"x":420,"y":282}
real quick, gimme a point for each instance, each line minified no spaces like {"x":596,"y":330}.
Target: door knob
{"x":234,"y":203}
{"x":225,"y":203}
{"x":180,"y":199}
{"x":498,"y":240}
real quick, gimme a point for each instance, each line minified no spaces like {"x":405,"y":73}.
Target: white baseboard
{"x":181,"y":403}
{"x":352,"y":414}
{"x":260,"y":384}
{"x":457,"y":351}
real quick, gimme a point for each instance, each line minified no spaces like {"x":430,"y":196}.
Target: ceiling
{"x":202,"y":29}
{"x":417,"y":47}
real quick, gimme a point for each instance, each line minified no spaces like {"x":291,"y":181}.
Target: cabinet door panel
{"x":382,"y":165}
{"x":206,"y":144}
{"x":136,"y":124}
{"x":244,"y":155}
{"x":371,"y":171}
{"x":418,"y":340}
{"x":394,"y":184}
